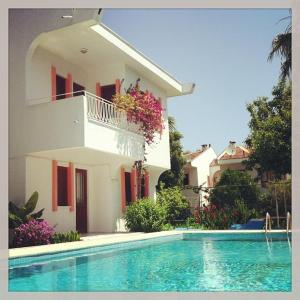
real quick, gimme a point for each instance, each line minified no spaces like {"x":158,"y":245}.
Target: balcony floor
{"x":82,"y":155}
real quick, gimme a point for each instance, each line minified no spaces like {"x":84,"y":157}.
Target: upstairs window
{"x":108,"y":91}
{"x":186,"y":179}
{"x":62,"y":186}
{"x":60,"y":87}
{"x":77,"y":89}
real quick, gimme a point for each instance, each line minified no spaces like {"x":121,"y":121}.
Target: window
{"x":186,"y":179}
{"x":108,"y":91}
{"x":128,"y":188}
{"x":143,"y":186}
{"x":77,"y":88}
{"x":62,"y":186}
{"x":60,"y":87}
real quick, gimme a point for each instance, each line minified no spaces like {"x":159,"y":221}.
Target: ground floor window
{"x":62,"y":186}
{"x":128,"y":188}
{"x":143,"y":187}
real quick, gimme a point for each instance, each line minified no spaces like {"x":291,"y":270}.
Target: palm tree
{"x":172,"y":125}
{"x":282,"y":46}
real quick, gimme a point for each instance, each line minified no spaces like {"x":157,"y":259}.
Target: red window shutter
{"x":54,"y":185}
{"x":71,"y":186}
{"x":123,"y":192}
{"x":118,"y":86}
{"x":146,"y":176}
{"x":69,"y":86}
{"x":98,"y":89}
{"x":133,"y":184}
{"x":53,"y":83}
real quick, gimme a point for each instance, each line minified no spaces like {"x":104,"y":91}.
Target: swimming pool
{"x":182,"y":262}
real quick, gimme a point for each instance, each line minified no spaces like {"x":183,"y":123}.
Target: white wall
{"x":38,"y":79}
{"x":154,"y":174}
{"x":193,"y":176}
{"x":105,"y":74}
{"x":100,"y":208}
{"x":202,"y":163}
{"x":17,"y":184}
{"x":116,"y":141}
{"x":54,"y":125}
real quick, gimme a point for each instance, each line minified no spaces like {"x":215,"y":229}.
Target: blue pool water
{"x":185,"y":262}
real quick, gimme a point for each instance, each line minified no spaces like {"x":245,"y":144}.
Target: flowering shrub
{"x":143,"y":109}
{"x":213,"y":217}
{"x":218,"y":218}
{"x":33,"y":233}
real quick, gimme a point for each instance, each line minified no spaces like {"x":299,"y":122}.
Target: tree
{"x":174,"y":177}
{"x":282,"y":46}
{"x":174,"y":203}
{"x":236,"y":187}
{"x":270,"y":132}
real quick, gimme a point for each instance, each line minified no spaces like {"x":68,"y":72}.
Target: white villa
{"x":67,"y":140}
{"x":196,"y":171}
{"x":233,"y":158}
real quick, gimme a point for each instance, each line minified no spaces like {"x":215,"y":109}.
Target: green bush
{"x":243,"y":212}
{"x":145,"y":215}
{"x":167,"y":227}
{"x":191,"y":222}
{"x":63,"y":237}
{"x":236,"y":185}
{"x":174,"y":203}
{"x":21,"y":215}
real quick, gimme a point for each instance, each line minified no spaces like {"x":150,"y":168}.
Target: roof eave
{"x":175,"y":87}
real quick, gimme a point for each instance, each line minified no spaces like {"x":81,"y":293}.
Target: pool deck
{"x":100,"y":239}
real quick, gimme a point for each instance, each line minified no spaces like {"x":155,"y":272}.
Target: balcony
{"x":82,"y":121}
{"x":102,"y":111}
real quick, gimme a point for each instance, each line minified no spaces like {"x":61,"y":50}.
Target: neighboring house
{"x":67,"y":140}
{"x":196,"y":172}
{"x":231,"y":158}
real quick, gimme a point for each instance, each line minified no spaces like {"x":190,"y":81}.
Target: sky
{"x":223,"y":51}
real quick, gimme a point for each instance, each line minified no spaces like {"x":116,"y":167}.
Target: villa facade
{"x":233,"y":158}
{"x":196,"y":172}
{"x":67,"y":139}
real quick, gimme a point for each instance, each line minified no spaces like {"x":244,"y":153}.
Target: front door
{"x":81,"y":200}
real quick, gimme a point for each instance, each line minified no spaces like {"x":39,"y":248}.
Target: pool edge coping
{"x":103,"y":241}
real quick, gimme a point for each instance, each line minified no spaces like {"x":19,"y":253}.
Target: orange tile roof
{"x":240,"y":152}
{"x":192,"y":155}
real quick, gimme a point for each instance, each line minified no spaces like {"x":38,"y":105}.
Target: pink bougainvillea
{"x":33,"y":233}
{"x":142,"y":108}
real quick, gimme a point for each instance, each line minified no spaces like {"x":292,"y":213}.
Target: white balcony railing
{"x":102,"y":111}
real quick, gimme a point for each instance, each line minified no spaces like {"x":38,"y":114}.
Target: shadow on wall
{"x":130,"y":144}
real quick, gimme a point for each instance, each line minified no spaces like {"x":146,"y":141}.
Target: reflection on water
{"x":192,"y":264}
